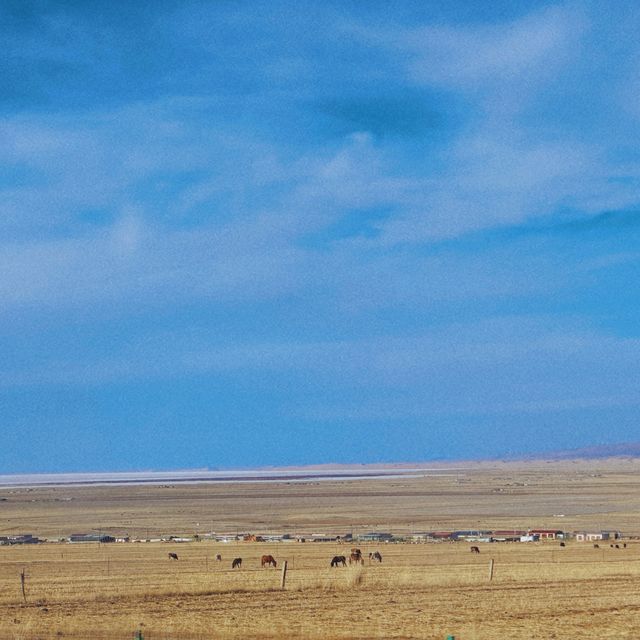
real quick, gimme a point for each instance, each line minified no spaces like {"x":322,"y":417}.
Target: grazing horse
{"x":596,"y":546}
{"x":339,"y":560}
{"x":375,"y":556}
{"x":173,"y":556}
{"x":237,"y":562}
{"x":269,"y":561}
{"x":356,"y":557}
{"x":475,"y":549}
{"x":218,"y":558}
{"x":562,"y":544}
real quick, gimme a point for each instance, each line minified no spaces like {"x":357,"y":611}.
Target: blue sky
{"x":237,"y":234}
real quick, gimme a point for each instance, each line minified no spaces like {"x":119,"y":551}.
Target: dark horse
{"x":218,"y":558}
{"x":237,"y":562}
{"x":173,"y":556}
{"x":475,"y":549}
{"x":339,"y":560}
{"x":269,"y":561}
{"x":375,"y":556}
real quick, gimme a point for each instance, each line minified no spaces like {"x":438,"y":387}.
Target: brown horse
{"x":356,"y":557}
{"x":270,"y":561}
{"x":339,"y":560}
{"x":173,"y":556}
{"x":218,"y":558}
{"x":475,"y":549}
{"x":237,"y":562}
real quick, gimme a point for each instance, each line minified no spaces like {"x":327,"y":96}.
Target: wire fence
{"x":93,"y":634}
{"x":90,"y":634}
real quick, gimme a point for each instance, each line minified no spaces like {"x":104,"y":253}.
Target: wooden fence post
{"x":22,"y":586}
{"x":283,"y":577}
{"x":491,"y":570}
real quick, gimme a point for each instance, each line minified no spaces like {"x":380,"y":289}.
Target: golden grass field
{"x":419,"y":591}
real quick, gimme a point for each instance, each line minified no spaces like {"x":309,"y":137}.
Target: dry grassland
{"x":567,"y":495}
{"x":419,"y":591}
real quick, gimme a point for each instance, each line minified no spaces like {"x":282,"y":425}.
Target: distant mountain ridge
{"x":618,"y":450}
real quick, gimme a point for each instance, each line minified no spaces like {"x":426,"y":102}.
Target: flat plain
{"x":428,"y":590}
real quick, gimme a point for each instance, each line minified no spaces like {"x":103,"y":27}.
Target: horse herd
{"x":355,"y":557}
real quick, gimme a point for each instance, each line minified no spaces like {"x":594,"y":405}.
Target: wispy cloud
{"x":488,"y":57}
{"x":337,"y":215}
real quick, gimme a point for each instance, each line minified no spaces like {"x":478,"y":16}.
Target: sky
{"x":241,"y":234}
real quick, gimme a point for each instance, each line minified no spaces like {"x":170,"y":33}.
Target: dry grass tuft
{"x":354,"y":576}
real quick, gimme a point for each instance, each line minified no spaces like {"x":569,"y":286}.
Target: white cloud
{"x":502,"y":178}
{"x":483,"y":57}
{"x":509,"y":162}
{"x":133,"y":263}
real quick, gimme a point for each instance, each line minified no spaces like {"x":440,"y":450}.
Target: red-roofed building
{"x":442,"y":535}
{"x":508,"y":535}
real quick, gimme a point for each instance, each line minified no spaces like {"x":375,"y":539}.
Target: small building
{"x":25,"y":538}
{"x":90,"y":537}
{"x":374,"y":536}
{"x":420,"y":536}
{"x":442,"y":535}
{"x":547,"y":534}
{"x":320,"y":537}
{"x":508,"y":535}
{"x":180,"y":539}
{"x":472,"y":535}
{"x":272,"y":537}
{"x":590,"y":536}
{"x":596,"y":536}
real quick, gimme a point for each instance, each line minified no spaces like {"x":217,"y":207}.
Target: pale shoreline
{"x":302,"y":473}
{"x":230,"y":476}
